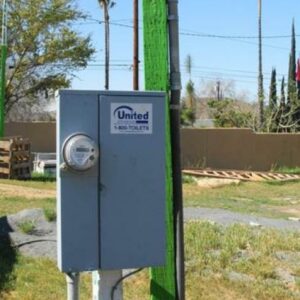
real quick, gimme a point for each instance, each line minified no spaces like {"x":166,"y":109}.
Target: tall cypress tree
{"x":282,"y":98}
{"x":282,"y":118}
{"x":273,"y":91}
{"x":292,"y":88}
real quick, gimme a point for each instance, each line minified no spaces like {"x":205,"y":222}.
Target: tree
{"x":260,"y":72}
{"x":227,"y":113}
{"x":271,"y":115}
{"x":43,"y":50}
{"x":273,"y":91}
{"x":228,"y":90}
{"x":106,"y":5}
{"x":282,"y":98}
{"x":188,"y":108}
{"x":285,"y":117}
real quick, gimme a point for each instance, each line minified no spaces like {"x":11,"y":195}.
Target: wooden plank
{"x":242,"y":175}
{"x":21,"y":165}
{"x":4,"y":170}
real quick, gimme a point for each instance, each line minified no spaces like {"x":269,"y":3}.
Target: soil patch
{"x":26,"y":192}
{"x":216,"y":182}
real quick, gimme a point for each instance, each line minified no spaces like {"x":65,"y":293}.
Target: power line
{"x":210,"y":35}
{"x":197,"y":67}
{"x":230,"y":70}
{"x":235,"y":38}
{"x":199,"y":70}
{"x":193,"y":33}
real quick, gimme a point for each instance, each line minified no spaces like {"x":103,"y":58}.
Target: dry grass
{"x":37,"y":184}
{"x":212,"y":252}
{"x":11,"y":205}
{"x":10,"y":190}
{"x":18,"y":195}
{"x":263,"y":199}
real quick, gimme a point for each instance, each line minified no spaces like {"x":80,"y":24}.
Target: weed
{"x":249,"y":197}
{"x":46,"y":177}
{"x":287,"y":170}
{"x":212,"y":251}
{"x":188,"y":179}
{"x":50,"y":214}
{"x":27,"y":227}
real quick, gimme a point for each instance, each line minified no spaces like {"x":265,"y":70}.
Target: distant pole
{"x":260,"y":69}
{"x":218,"y":90}
{"x":136,"y":45}
{"x":3,"y":65}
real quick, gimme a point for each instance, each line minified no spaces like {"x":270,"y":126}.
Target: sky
{"x":220,"y":36}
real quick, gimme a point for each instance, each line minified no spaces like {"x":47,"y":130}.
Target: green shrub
{"x":50,"y":214}
{"x":27,"y":227}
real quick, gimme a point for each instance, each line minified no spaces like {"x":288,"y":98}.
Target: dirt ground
{"x":27,"y":192}
{"x":216,"y":182}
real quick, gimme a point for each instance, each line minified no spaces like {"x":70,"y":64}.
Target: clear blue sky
{"x":213,"y":58}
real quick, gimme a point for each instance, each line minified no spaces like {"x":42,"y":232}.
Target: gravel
{"x":226,"y":218}
{"x":42,"y":241}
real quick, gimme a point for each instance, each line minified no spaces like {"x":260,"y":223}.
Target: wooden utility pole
{"x":260,"y":70}
{"x":218,"y":88}
{"x":3,"y":65}
{"x":136,"y":45}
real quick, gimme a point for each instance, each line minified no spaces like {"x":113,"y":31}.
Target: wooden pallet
{"x":15,"y":158}
{"x":242,"y":175}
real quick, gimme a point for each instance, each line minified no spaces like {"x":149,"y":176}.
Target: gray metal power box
{"x":111,"y":180}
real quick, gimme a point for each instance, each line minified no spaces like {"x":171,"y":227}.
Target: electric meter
{"x":80,"y":152}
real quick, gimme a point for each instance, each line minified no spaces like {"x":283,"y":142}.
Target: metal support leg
{"x":73,"y":286}
{"x":103,"y":284}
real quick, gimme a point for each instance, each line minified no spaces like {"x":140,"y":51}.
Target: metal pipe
{"x":72,"y":286}
{"x":136,"y":45}
{"x":176,"y":148}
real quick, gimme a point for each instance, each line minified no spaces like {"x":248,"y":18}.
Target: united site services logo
{"x":127,"y":113}
{"x":131,"y":118}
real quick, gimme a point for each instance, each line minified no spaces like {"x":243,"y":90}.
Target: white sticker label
{"x":131,"y":118}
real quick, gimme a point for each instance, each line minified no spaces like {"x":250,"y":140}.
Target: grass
{"x":287,"y":170}
{"x":188,"y":179}
{"x":263,"y":199}
{"x":212,"y":253}
{"x":27,"y":227}
{"x":40,"y":177}
{"x":269,"y":199}
{"x":44,"y":185}
{"x":50,"y":214}
{"x":12,"y":205}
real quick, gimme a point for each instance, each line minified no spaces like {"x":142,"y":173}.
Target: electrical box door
{"x":111,"y":180}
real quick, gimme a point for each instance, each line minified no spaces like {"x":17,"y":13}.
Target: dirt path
{"x":26,"y":192}
{"x":226,"y":217}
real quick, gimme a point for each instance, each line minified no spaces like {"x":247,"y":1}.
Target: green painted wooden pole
{"x":163,"y":279}
{"x":2,"y":87}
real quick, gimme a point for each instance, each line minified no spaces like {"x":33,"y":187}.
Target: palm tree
{"x":260,"y":72}
{"x":106,"y":5}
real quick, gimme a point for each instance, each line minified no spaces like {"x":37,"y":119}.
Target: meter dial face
{"x":80,"y":152}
